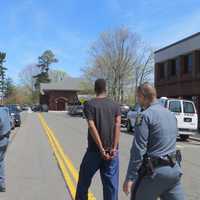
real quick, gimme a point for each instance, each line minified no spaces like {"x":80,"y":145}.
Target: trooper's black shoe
{"x":2,"y":189}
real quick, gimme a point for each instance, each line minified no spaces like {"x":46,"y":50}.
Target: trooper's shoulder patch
{"x":139,"y":119}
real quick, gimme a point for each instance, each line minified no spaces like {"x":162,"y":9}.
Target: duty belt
{"x":150,"y":163}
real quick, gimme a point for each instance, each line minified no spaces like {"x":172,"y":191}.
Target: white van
{"x":186,"y":115}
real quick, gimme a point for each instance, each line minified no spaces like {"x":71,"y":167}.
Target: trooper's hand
{"x":128,"y":186}
{"x":105,"y":155}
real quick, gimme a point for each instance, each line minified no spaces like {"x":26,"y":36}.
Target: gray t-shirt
{"x":103,"y":112}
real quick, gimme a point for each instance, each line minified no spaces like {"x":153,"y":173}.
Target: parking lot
{"x":45,"y":153}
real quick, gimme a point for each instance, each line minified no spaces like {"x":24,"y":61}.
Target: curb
{"x":194,"y":138}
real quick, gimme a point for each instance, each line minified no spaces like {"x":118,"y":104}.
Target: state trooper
{"x":154,"y":167}
{"x":5,"y":128}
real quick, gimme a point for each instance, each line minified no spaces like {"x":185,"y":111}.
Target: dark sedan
{"x":76,"y":110}
{"x":15,"y":113}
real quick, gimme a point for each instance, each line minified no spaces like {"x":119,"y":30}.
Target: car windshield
{"x":188,"y":107}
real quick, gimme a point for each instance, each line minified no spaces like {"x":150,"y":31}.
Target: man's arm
{"x":138,"y":149}
{"x":89,"y":113}
{"x":94,"y":133}
{"x":117,"y":131}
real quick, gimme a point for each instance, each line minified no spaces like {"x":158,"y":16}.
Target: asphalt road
{"x":33,"y":172}
{"x":31,"y":169}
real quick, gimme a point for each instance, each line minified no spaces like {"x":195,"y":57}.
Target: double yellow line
{"x":68,"y":170}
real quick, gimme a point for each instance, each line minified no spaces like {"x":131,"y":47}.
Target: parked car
{"x":124,"y":110}
{"x":44,"y":108}
{"x":131,"y":117}
{"x":186,"y":115}
{"x":76,"y":110}
{"x":15,"y":113}
{"x":12,"y":120}
{"x":25,"y":108}
{"x":36,"y":108}
{"x":40,"y":108}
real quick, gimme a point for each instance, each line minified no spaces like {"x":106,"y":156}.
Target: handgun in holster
{"x":147,"y":168}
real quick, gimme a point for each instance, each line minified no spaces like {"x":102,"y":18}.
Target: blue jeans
{"x":164,"y":183}
{"x":2,"y":166}
{"x":109,"y":171}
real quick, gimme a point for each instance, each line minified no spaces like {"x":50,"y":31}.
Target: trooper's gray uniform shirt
{"x":155,"y":135}
{"x":5,"y":128}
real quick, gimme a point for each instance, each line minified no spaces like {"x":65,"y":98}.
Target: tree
{"x":2,"y":74}
{"x":20,"y":95}
{"x":9,"y":87}
{"x":57,"y":75}
{"x":44,"y":62}
{"x":113,"y":57}
{"x":145,"y":65}
{"x":122,"y":59}
{"x":27,"y":81}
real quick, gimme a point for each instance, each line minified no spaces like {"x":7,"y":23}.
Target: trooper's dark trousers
{"x":164,"y":183}
{"x":109,"y":171}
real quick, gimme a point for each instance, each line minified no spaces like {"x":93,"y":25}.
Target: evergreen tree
{"x":44,"y":62}
{"x":9,"y":88}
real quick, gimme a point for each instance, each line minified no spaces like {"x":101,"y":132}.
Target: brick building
{"x":177,"y":70}
{"x":60,"y":94}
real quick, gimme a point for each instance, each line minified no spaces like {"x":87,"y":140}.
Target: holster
{"x":149,"y":164}
{"x":147,"y":168}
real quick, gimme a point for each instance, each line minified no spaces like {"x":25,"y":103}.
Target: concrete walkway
{"x":31,"y":169}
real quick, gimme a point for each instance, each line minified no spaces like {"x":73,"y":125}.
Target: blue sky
{"x":69,"y":27}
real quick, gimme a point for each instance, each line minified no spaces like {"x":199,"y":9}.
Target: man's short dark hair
{"x":100,"y":86}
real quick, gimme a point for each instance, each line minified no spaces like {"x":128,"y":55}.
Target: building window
{"x":177,"y":63}
{"x":173,"y":67}
{"x":198,"y":62}
{"x":161,"y":71}
{"x":188,"y":62}
{"x":166,"y":74}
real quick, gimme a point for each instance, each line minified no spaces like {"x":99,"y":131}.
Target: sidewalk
{"x":197,"y":135}
{"x":31,"y":170}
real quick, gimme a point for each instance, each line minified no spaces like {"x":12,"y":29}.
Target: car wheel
{"x":184,"y":137}
{"x":129,"y":127}
{"x":18,"y":125}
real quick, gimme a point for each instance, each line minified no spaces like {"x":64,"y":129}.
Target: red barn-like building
{"x":60,"y":94}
